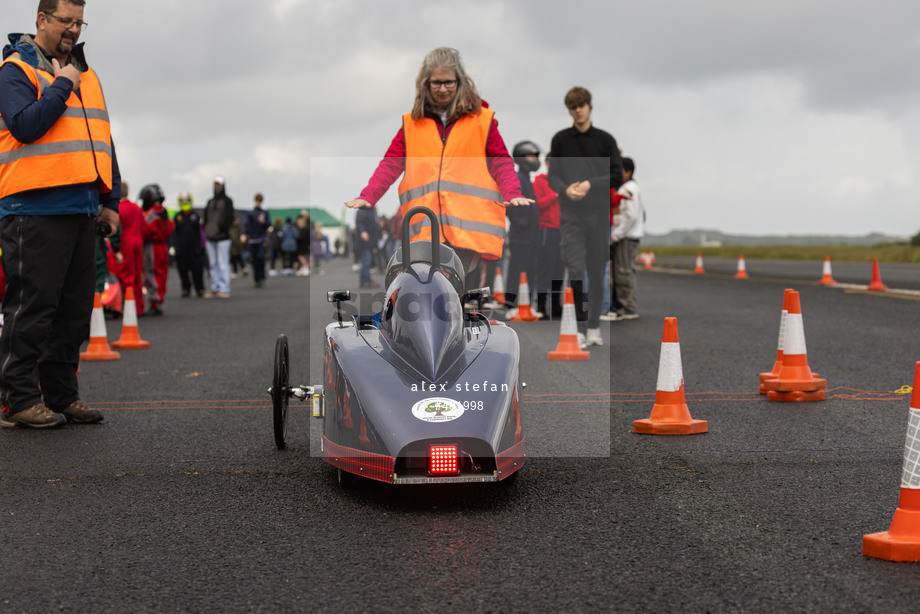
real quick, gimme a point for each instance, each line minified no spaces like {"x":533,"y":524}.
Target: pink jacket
{"x":501,"y":167}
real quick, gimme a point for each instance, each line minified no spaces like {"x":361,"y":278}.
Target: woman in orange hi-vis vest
{"x":453,"y":161}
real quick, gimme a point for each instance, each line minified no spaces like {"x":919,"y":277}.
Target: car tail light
{"x":443,"y":459}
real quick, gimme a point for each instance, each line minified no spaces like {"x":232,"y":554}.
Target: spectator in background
{"x":156,"y":231}
{"x":626,"y":234}
{"x":550,"y":270}
{"x":523,"y":227}
{"x":217,"y":220}
{"x":289,"y":236}
{"x":367,"y":230}
{"x":129,"y":257}
{"x":274,"y":242}
{"x":237,"y":248}
{"x":255,"y":233}
{"x":317,"y":247}
{"x":303,"y":245}
{"x":189,"y":247}
{"x":585,"y":167}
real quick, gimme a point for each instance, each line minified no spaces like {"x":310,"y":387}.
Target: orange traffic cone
{"x":742,"y":269}
{"x":568,"y":348}
{"x":649,"y":258}
{"x":774,"y":373}
{"x":699,"y":270}
{"x":826,"y":279}
{"x":670,"y":415}
{"x":524,"y":314}
{"x":876,"y":278}
{"x":498,"y":287}
{"x":130,"y":338}
{"x":98,"y":348}
{"x":795,"y":381}
{"x":901,"y":542}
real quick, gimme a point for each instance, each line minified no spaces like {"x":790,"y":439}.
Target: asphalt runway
{"x":180,"y":501}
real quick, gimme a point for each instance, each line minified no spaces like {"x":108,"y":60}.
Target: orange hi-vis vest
{"x":77,"y":149}
{"x":451,"y":178}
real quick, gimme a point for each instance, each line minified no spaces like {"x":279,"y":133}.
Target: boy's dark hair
{"x":576,"y":97}
{"x":629,"y":166}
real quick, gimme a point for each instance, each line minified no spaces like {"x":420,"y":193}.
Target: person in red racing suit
{"x":130,"y":264}
{"x":156,"y":230}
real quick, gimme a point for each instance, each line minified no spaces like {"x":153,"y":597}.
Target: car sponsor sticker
{"x":437,"y":409}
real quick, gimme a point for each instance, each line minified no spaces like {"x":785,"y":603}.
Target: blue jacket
{"x":256,"y":231}
{"x":28,"y":117}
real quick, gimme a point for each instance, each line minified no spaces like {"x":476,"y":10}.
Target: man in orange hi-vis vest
{"x":57,"y":165}
{"x":453,"y":161}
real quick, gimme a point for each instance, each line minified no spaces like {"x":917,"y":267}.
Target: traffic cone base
{"x":98,"y":351}
{"x":796,"y":395}
{"x":647,"y":426}
{"x":670,"y":416}
{"x":569,"y":349}
{"x":901,"y":542}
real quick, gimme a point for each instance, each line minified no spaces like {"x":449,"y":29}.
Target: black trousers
{"x":585,"y":250}
{"x":49,"y":263}
{"x":190,"y":264}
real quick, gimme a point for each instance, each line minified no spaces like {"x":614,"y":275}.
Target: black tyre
{"x":281,"y":390}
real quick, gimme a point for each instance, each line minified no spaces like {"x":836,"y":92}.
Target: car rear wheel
{"x":280,"y":390}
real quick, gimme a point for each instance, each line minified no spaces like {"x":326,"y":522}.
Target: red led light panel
{"x":443,"y":460}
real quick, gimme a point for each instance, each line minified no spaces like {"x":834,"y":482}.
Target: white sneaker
{"x":511,"y":313}
{"x":610,"y":316}
{"x":594,"y":337}
{"x":581,"y":341}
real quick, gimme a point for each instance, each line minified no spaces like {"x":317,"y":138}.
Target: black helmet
{"x":526,"y":148}
{"x":150,"y":195}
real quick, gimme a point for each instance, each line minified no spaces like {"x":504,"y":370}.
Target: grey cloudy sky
{"x":787,"y":117}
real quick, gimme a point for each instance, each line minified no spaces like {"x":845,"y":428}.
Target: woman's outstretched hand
{"x":519,"y":202}
{"x":358,"y":203}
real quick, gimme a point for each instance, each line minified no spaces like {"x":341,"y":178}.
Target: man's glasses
{"x":68,"y":23}
{"x":436,"y":85}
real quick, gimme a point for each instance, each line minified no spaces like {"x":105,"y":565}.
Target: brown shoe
{"x":36,"y":417}
{"x":79,"y":412}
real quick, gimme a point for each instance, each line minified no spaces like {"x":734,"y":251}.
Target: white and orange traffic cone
{"x":901,"y":542}
{"x":98,"y":348}
{"x":670,"y":414}
{"x":826,"y":278}
{"x":795,"y":380}
{"x":569,"y":348}
{"x":649,"y":260}
{"x":130,"y":338}
{"x":498,"y":287}
{"x":742,"y":268}
{"x":698,"y":269}
{"x":876,"y":284}
{"x":524,"y":313}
